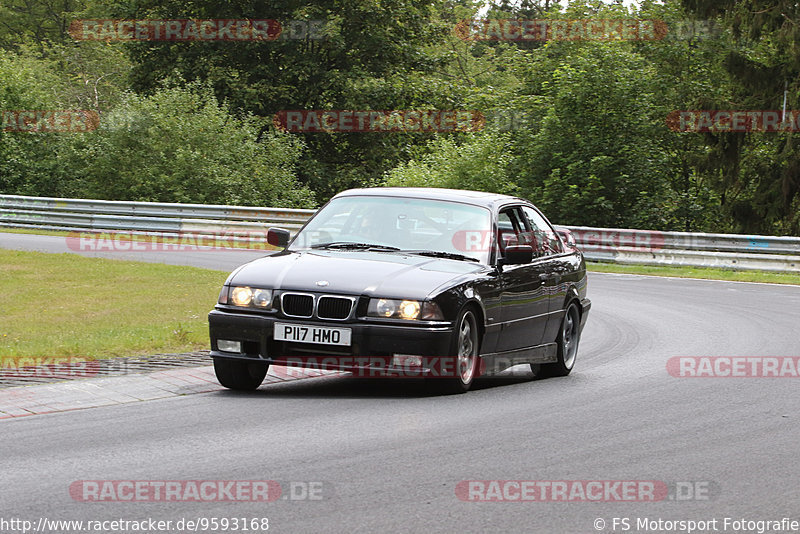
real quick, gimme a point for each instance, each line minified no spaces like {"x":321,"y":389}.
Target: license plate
{"x":321,"y":335}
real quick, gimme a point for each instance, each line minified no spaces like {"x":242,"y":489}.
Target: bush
{"x":182,"y":145}
{"x":479,"y":163}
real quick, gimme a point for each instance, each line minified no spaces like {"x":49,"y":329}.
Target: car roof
{"x":477,"y":198}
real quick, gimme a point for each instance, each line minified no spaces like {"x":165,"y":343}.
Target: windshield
{"x":400,"y":223}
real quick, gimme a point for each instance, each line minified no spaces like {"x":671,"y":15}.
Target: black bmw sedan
{"x":440,"y":284}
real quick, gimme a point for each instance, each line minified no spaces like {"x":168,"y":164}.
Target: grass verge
{"x":697,"y":272}
{"x":36,"y":231}
{"x":65,"y":305}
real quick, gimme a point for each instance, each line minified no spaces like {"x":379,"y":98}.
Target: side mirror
{"x":518,"y":254}
{"x":278,"y":237}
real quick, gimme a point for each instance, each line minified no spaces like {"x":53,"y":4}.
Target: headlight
{"x":247,"y":297}
{"x":241,"y":296}
{"x":262,"y":298}
{"x":404,"y":309}
{"x":409,"y":309}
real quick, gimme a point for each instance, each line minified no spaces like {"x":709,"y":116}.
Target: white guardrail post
{"x":241,"y":223}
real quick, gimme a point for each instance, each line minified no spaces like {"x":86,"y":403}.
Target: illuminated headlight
{"x":241,"y":296}
{"x":404,"y":309}
{"x":247,"y":297}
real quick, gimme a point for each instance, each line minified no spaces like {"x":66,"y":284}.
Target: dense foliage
{"x":579,"y":127}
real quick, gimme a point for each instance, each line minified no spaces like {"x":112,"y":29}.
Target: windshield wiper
{"x":440,"y":254}
{"x":353,"y":246}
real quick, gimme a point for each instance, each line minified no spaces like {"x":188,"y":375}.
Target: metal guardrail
{"x":241,"y":223}
{"x":645,"y":247}
{"x":648,"y":247}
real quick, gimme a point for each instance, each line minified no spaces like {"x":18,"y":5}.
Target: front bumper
{"x":372,"y":345}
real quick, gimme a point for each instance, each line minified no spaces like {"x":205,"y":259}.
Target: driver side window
{"x":510,"y":230}
{"x":544,"y":239}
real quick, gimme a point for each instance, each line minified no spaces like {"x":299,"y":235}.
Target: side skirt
{"x":495,"y":362}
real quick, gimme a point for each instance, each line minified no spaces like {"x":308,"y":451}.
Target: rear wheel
{"x":568,"y":338}
{"x":464,"y":350}
{"x":241,"y":375}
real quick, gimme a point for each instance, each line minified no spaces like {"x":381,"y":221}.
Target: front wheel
{"x":464,"y":349}
{"x":568,"y":338}
{"x":241,"y":375}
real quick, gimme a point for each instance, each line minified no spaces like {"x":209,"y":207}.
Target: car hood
{"x":380,"y":274}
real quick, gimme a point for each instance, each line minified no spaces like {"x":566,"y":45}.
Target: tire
{"x":464,"y":347}
{"x":568,"y":337}
{"x":244,"y":376}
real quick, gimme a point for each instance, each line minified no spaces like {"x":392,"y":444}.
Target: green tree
{"x":35,"y":21}
{"x":181,"y":145}
{"x":373,"y":55}
{"x":26,"y":83}
{"x":688,"y":71}
{"x":480,"y":163}
{"x":762,"y":61}
{"x":595,"y":159}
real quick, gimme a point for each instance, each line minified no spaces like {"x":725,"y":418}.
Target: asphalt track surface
{"x":389,"y":457}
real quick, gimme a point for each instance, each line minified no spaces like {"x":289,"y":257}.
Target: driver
{"x":371,"y":226}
